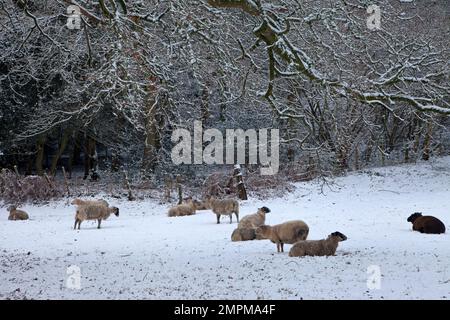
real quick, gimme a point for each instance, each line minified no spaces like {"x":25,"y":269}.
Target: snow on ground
{"x":145,"y":255}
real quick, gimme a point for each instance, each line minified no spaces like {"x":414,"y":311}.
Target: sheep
{"x":247,"y":226}
{"x":243,"y":234}
{"x":200,"y":205}
{"x":426,"y":224}
{"x":224,"y":207}
{"x":97,"y":212}
{"x":254,"y":220}
{"x":15,"y":214}
{"x":324,"y":247}
{"x":289,"y":232}
{"x":80,"y":202}
{"x":186,"y":209}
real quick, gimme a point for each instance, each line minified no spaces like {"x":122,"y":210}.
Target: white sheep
{"x":288,"y":232}
{"x":254,"y":220}
{"x":223,"y":207}
{"x":97,"y":212}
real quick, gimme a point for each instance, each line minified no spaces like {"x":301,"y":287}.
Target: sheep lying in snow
{"x":426,"y":224}
{"x":324,"y":247}
{"x":15,"y":214}
{"x":184,"y":209}
{"x":97,"y":212}
{"x":254,"y":220}
{"x":80,"y":202}
{"x":243,"y":234}
{"x":224,"y":207}
{"x":289,"y":232}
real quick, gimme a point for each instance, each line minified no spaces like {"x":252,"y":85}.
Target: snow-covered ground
{"x":144,"y":254}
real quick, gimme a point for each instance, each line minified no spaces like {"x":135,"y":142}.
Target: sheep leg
{"x":75,"y":225}
{"x":218,"y":218}
{"x":282,"y":246}
{"x":237,"y":216}
{"x":231,"y":218}
{"x":79,"y":224}
{"x":278,"y":247}
{"x":99,"y":223}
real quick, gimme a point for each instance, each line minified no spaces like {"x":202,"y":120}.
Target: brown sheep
{"x":15,"y":214}
{"x":243,"y":234}
{"x":289,"y":232}
{"x":426,"y":224}
{"x":254,"y":220}
{"x":97,"y":212}
{"x":185,"y":209}
{"x":224,"y":207}
{"x":324,"y":247}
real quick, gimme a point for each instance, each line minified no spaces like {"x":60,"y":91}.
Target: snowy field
{"x":145,"y":255}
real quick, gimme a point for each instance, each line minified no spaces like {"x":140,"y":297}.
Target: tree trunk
{"x":89,"y":156}
{"x":128,"y":185}
{"x":62,"y":146}
{"x":180,"y":190}
{"x":427,"y":141}
{"x":153,"y":125}
{"x":204,"y":107}
{"x":242,"y":192}
{"x":40,"y":144}
{"x":342,"y":157}
{"x":406,"y":154}
{"x":75,"y":154}
{"x":115,"y":161}
{"x":29,"y":168}
{"x":65,"y":181}
{"x":357,"y":166}
{"x":168,"y":189}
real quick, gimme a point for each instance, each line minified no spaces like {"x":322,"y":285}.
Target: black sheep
{"x":426,"y":224}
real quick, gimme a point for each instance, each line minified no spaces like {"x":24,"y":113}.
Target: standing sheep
{"x":185,"y":209}
{"x":15,"y":214}
{"x":289,"y":232}
{"x":254,"y":220}
{"x":324,"y":247}
{"x":97,"y":212}
{"x":224,"y":207}
{"x":426,"y":224}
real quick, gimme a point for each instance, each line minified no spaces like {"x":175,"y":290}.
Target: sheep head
{"x":341,"y":236}
{"x":76,"y":202}
{"x":209,"y":200}
{"x":115,"y":210}
{"x":11,"y":208}
{"x":414,"y":216}
{"x":199,"y":204}
{"x":264,"y":209}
